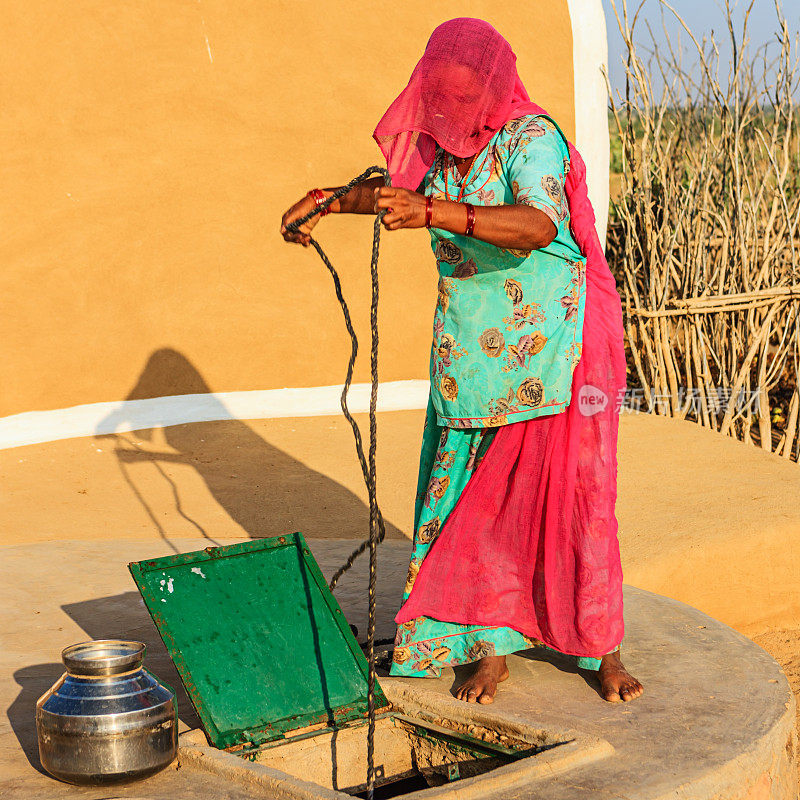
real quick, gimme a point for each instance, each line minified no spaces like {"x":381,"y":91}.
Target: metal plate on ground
{"x":258,"y":639}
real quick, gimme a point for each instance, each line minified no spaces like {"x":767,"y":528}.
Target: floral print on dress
{"x":466,"y":269}
{"x":448,"y":252}
{"x":449,"y":458}
{"x":436,"y":489}
{"x":529,"y":314}
{"x":426,"y":534}
{"x":520,"y":354}
{"x":492,"y":342}
{"x":504,"y":314}
{"x":530,"y":393}
{"x":447,"y":351}
{"x":449,"y":387}
{"x":573,"y":355}
{"x":571,"y":301}
{"x":521,"y":127}
{"x":513,"y":290}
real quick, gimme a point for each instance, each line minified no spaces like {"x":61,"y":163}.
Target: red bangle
{"x":319,"y":199}
{"x":470,"y":219}
{"x":428,"y":210}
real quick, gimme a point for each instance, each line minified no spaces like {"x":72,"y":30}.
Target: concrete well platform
{"x":716,"y":720}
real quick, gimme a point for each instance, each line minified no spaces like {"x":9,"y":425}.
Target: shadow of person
{"x":34,"y":681}
{"x":564,"y":663}
{"x":262,"y":488}
{"x":124,"y":616}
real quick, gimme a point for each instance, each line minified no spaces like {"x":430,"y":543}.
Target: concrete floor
{"x":717,"y":709}
{"x":56,"y":594}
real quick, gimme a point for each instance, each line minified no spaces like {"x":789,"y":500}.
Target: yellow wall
{"x":149,"y":150}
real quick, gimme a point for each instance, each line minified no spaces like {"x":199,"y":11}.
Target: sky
{"x":702,"y":17}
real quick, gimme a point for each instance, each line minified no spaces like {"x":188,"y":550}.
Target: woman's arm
{"x":517,"y":227}
{"x":359,"y":200}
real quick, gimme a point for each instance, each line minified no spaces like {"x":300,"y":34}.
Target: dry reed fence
{"x":703,"y":236}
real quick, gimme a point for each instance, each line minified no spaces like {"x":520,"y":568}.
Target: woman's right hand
{"x":303,"y":235}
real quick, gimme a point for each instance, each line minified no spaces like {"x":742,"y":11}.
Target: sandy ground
{"x":784,"y":647}
{"x":703,"y":519}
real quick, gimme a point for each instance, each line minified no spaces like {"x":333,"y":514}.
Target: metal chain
{"x":377,"y":530}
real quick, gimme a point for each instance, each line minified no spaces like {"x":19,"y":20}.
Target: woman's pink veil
{"x":462,"y":91}
{"x":532,"y":541}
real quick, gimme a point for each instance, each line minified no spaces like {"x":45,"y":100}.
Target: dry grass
{"x":703,"y":236}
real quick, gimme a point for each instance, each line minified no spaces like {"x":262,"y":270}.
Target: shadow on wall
{"x":263,"y":489}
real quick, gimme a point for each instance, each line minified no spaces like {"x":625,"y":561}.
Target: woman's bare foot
{"x":616,"y":683}
{"x":481,"y":686}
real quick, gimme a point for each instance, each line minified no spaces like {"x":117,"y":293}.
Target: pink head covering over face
{"x":462,"y":91}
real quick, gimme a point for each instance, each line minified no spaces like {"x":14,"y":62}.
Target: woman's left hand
{"x":406,"y":208}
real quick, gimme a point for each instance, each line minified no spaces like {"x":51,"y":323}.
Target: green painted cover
{"x":258,"y":639}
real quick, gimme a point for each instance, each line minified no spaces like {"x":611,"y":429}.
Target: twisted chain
{"x":377,"y":530}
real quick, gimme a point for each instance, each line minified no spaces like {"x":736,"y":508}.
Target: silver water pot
{"x":107,"y":719}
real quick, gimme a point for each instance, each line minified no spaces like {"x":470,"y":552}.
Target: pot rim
{"x":101,"y":657}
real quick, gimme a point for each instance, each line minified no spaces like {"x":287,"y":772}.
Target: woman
{"x":515,"y":535}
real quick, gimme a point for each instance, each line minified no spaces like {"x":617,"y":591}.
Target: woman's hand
{"x":406,"y":208}
{"x":298,"y":210}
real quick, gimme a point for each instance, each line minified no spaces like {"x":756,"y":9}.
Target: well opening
{"x":410,"y":754}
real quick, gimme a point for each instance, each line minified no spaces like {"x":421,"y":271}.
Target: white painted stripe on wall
{"x":34,"y":427}
{"x":589,"y":55}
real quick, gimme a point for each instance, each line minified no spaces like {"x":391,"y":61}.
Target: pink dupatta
{"x":532,"y":541}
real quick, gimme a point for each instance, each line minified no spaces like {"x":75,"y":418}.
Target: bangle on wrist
{"x":470,"y":219}
{"x":428,"y":210}
{"x":319,"y":198}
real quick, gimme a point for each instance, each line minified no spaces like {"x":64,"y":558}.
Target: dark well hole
{"x":389,"y":790}
{"x":410,"y":754}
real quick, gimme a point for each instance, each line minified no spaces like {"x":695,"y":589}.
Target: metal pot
{"x":107,"y":719}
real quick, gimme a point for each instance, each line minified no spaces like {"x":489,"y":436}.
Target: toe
{"x":486,"y":697}
{"x":631,"y":690}
{"x":611,"y":695}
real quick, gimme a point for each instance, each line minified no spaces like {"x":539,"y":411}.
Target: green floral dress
{"x":508,"y":325}
{"x":506,"y":337}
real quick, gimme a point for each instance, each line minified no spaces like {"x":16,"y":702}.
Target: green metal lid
{"x":260,"y":643}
